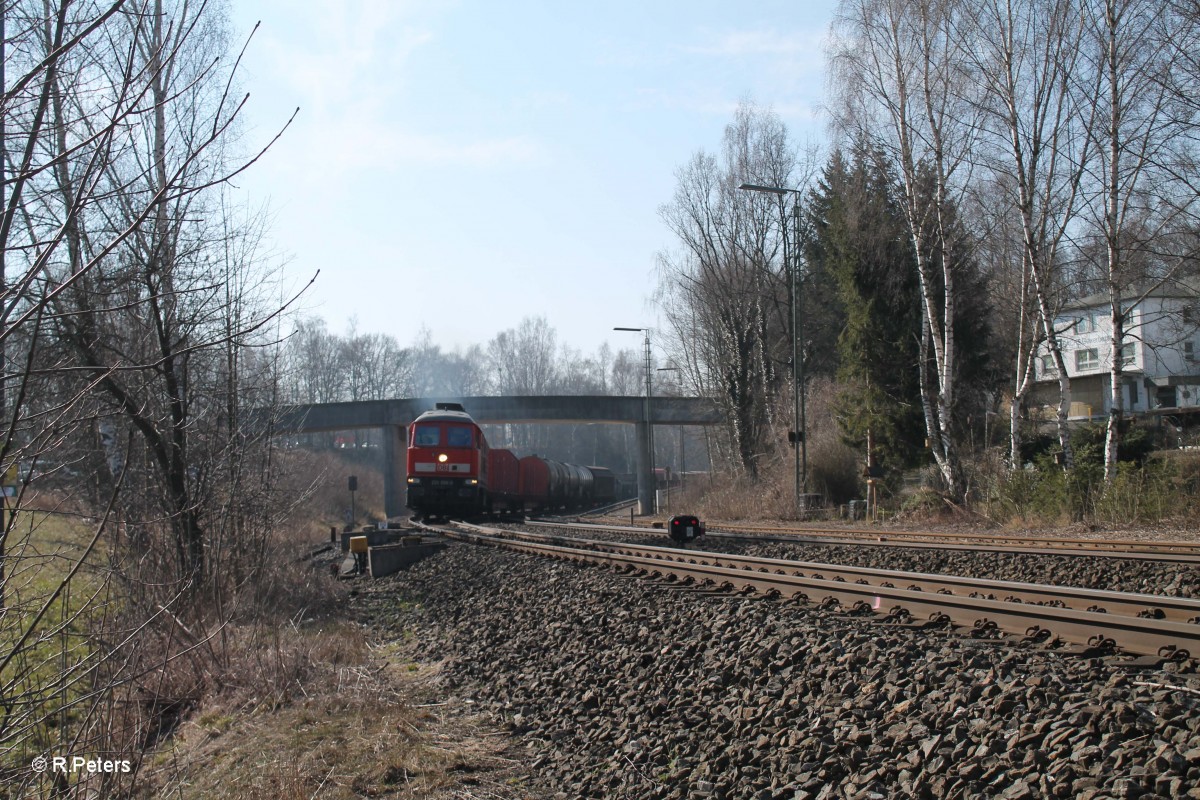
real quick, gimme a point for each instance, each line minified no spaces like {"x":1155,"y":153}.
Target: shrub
{"x":924,"y":502}
{"x":1159,"y":490}
{"x":1020,"y":495}
{"x":834,"y":470}
{"x":1138,"y":495}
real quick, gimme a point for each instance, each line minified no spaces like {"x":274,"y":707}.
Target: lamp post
{"x":797,"y":435}
{"x":647,"y":484}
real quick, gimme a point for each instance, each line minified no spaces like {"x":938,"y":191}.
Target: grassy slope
{"x":369,"y":724}
{"x":42,"y":678}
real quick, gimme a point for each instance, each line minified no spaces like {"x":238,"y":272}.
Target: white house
{"x":1159,"y":358}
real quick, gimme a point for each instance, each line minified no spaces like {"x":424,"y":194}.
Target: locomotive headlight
{"x":442,"y":457}
{"x":414,"y":480}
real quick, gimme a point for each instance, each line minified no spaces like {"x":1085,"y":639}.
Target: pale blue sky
{"x":462,"y":164}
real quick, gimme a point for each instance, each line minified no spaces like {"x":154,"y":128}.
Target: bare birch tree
{"x":904,"y":81}
{"x":1027,"y":56}
{"x":1183,"y":84}
{"x":1131,"y":202}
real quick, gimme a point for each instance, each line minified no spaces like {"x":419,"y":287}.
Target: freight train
{"x":452,"y":472}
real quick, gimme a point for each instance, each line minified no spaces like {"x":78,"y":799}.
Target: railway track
{"x":1091,"y":622}
{"x":1172,"y":552}
{"x":1018,"y":540}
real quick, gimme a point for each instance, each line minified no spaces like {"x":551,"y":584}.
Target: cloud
{"x":347,"y":65}
{"x":339,"y":55}
{"x":356,"y":144}
{"x":787,"y":65}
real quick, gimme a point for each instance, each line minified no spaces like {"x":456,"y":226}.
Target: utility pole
{"x":791,"y":260}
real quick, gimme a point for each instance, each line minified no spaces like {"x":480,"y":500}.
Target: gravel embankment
{"x":618,"y":688}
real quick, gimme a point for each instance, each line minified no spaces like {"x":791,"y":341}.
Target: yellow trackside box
{"x":358,"y":544}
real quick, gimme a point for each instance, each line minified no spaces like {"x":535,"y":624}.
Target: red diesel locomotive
{"x":453,"y":472}
{"x":447,"y":463}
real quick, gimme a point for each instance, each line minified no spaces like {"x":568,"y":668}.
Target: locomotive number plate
{"x":429,"y":466}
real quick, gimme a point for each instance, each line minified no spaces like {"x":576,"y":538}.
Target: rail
{"x":1156,"y":625}
{"x":1171,"y":552}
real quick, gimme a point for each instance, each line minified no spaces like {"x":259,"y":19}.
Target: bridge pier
{"x":645,"y":473}
{"x":395,"y":487}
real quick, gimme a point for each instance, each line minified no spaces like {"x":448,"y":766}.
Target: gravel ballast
{"x":618,"y":687}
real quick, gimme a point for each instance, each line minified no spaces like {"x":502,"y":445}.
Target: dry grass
{"x":296,"y":701}
{"x":319,"y":480}
{"x":364,"y":721}
{"x":260,"y":687}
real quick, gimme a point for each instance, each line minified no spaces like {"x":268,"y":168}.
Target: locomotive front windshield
{"x":459,"y":436}
{"x":427,"y":436}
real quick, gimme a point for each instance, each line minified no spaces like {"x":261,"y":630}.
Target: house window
{"x":1049,"y":368}
{"x":1085,"y":324}
{"x":1189,"y":350}
{"x":1088,"y":358}
{"x":1127,"y":355}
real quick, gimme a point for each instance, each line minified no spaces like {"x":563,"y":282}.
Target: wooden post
{"x":872,"y":500}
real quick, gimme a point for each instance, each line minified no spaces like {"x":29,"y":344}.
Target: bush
{"x":834,"y":470}
{"x":1164,"y":488}
{"x":924,"y":502}
{"x":1032,"y":496}
{"x":1157,"y":491}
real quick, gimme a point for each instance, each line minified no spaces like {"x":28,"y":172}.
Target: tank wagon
{"x":451,"y":471}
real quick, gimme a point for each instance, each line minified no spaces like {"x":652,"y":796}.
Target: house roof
{"x":1176,"y":288}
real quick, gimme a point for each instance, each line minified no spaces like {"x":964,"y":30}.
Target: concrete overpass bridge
{"x":394,"y":416}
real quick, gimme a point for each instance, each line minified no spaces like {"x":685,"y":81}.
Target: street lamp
{"x":795,"y":298}
{"x":647,"y":494}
